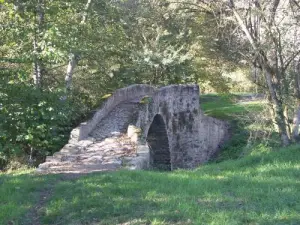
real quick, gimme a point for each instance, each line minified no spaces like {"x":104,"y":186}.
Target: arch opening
{"x":157,"y":139}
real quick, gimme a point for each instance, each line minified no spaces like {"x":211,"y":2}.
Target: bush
{"x":34,"y":123}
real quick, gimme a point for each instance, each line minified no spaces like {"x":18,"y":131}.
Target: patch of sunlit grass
{"x":251,"y":129}
{"x":226,"y":107}
{"x":19,"y":192}
{"x":257,"y":189}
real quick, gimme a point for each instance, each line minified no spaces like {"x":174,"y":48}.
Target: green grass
{"x":226,"y":106}
{"x":263,"y":188}
{"x":19,"y":192}
{"x":241,"y":116}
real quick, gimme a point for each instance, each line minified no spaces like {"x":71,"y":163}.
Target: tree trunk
{"x":38,"y":67}
{"x":269,"y":74}
{"x":37,"y":73}
{"x":280,"y":120}
{"x":287,"y":123}
{"x":272,"y":113}
{"x":296,"y":122}
{"x":85,"y":13}
{"x":279,"y":117}
{"x":73,"y":59}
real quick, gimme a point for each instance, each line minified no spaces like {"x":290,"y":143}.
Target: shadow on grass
{"x":259,"y":189}
{"x":19,"y":193}
{"x":264,"y":192}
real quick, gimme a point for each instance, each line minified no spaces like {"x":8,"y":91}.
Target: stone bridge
{"x":160,"y":128}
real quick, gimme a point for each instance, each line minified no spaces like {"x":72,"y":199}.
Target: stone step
{"x":52,"y":159}
{"x":105,"y":149}
{"x":48,"y":165}
{"x":59,"y":155}
{"x":107,"y":154}
{"x":79,"y":167}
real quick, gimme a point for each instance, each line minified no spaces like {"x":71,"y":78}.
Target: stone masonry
{"x":142,"y":127}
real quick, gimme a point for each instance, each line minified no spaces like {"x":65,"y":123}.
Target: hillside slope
{"x":263,"y":188}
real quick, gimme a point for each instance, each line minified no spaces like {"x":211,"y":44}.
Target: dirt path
{"x":33,"y":217}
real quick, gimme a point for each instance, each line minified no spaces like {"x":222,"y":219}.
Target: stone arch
{"x":158,"y":142}
{"x":190,"y":137}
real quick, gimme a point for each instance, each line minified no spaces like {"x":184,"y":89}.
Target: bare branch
{"x":273,"y":10}
{"x":290,"y":59}
{"x":243,"y":26}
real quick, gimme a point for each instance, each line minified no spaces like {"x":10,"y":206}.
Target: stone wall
{"x":213,"y":133}
{"x":191,"y":138}
{"x":119,"y":96}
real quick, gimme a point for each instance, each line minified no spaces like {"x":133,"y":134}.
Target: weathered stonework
{"x":192,"y":137}
{"x":166,"y":124}
{"x":119,"y":96}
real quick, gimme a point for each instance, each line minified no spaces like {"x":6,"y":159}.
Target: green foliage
{"x":33,"y":123}
{"x":116,"y":43}
{"x":249,"y":126}
{"x":146,"y":100}
{"x":119,"y":43}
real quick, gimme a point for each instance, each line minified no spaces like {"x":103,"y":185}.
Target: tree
{"x":80,"y":50}
{"x":264,"y":34}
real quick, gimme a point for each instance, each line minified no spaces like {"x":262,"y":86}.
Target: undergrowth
{"x":34,"y":123}
{"x":250,"y":128}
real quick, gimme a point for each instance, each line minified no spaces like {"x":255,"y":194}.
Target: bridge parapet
{"x":169,"y":120}
{"x":129,"y":93}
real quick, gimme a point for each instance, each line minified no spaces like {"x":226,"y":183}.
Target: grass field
{"x":262,"y":187}
{"x":226,"y":106}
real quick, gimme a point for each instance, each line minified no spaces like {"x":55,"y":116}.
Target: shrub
{"x":34,"y":123}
